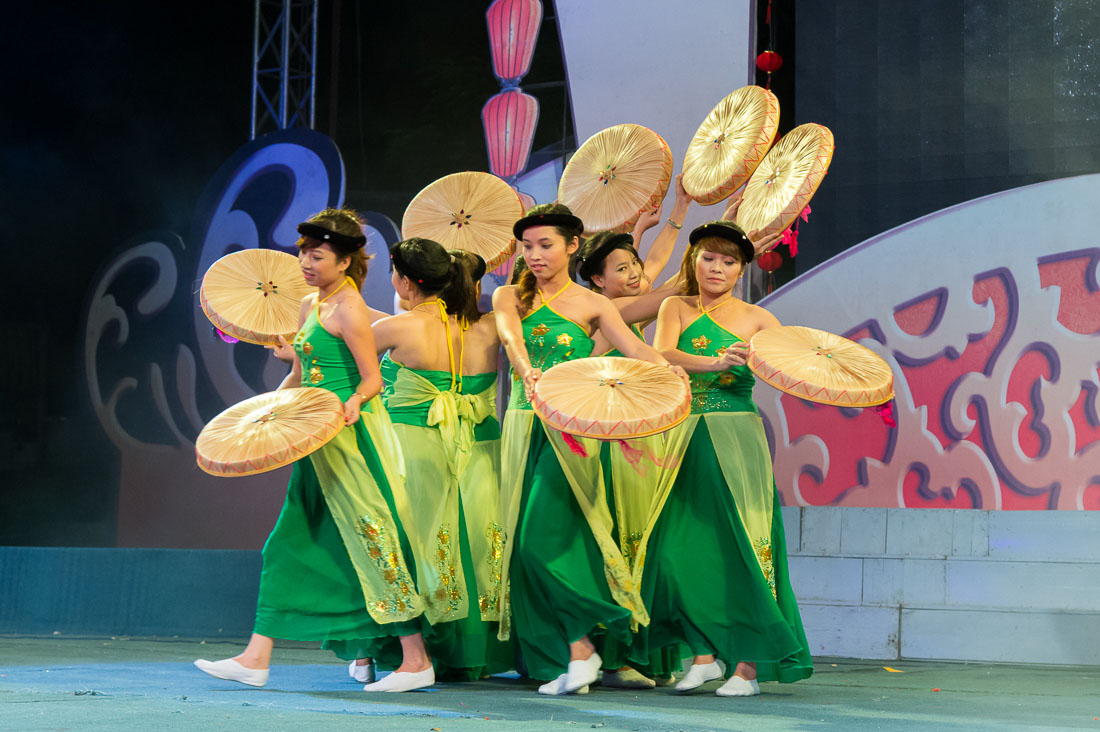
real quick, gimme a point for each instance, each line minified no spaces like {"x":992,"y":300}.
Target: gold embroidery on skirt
{"x":380,"y":548}
{"x":763,"y":549}
{"x":448,"y":590}
{"x":490,"y":600}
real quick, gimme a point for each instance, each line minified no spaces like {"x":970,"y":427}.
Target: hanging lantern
{"x":770,"y":261}
{"x":509,"y":119}
{"x":513,"y":30}
{"x":769,"y":62}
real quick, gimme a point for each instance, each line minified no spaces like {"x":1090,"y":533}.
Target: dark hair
{"x":519,"y":266}
{"x":716,"y":244}
{"x":435,"y":271}
{"x":526,"y":281}
{"x":474,"y":263}
{"x":592,"y":259}
{"x":341,"y":221}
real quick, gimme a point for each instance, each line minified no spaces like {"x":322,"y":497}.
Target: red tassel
{"x":576,"y":447}
{"x":886,"y":412}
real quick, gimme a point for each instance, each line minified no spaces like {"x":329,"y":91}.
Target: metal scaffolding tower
{"x":284,"y":65}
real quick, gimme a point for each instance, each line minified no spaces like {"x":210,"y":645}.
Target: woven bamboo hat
{"x":730,"y":143}
{"x":786,"y":180}
{"x":615,"y":176}
{"x":269,"y":431}
{"x":820,"y":367}
{"x":470,"y":211}
{"x":254,"y":295}
{"x":611,"y":398}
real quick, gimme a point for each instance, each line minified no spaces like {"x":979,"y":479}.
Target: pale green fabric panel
{"x":515,"y":441}
{"x":742,"y":451}
{"x":359,"y":509}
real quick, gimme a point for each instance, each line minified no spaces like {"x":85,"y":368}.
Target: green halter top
{"x":718,"y":391}
{"x":326,"y":360}
{"x":404,"y":408}
{"x":551,"y":338}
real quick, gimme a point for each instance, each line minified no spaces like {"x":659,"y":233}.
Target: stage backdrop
{"x":157,"y":371}
{"x":989,"y":314}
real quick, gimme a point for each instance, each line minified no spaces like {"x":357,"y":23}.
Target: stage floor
{"x":149,"y":684}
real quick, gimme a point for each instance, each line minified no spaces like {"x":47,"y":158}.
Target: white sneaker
{"x":404,"y":681}
{"x":362,"y":674}
{"x":737,"y":686}
{"x":557,"y":687}
{"x":582,"y":673}
{"x":699,"y":674}
{"x":230,"y":670}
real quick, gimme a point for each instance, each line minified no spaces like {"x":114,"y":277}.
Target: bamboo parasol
{"x":254,"y":295}
{"x":730,"y":143}
{"x":269,"y":431}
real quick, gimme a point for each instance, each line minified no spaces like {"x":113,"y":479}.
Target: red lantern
{"x":513,"y":30}
{"x":769,"y":61}
{"x":769,"y":261}
{"x":509,"y":119}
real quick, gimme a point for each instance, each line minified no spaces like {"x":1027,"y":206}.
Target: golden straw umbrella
{"x":786,"y":180}
{"x":611,"y":398}
{"x":470,"y":211}
{"x":820,"y":367}
{"x":254,"y":295}
{"x":730,"y":143}
{"x":269,"y":431}
{"x":615,"y":176}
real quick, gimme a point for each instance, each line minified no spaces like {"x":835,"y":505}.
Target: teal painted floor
{"x":54,"y":684}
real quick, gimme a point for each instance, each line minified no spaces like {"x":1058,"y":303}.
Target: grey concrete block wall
{"x":1008,"y":586}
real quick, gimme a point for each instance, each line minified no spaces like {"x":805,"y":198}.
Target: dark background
{"x":941,"y":101}
{"x":118,"y":114}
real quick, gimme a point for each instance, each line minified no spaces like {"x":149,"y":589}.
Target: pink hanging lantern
{"x":513,"y":30}
{"x":509,"y":119}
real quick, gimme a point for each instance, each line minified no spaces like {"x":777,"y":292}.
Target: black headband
{"x":547,"y":219}
{"x":729,"y":232}
{"x":591,"y":263}
{"x":343,"y":241}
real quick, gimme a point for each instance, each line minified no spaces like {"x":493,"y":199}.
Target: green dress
{"x":450,"y":437}
{"x":335,"y":566}
{"x":629,"y":531}
{"x":716,"y":573}
{"x":565,"y":576}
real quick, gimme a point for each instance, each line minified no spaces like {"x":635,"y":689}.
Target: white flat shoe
{"x":404,"y":681}
{"x":557,"y":687}
{"x":626,"y":678}
{"x":230,"y":670}
{"x":582,"y":673}
{"x":737,"y":686}
{"x":699,"y":674}
{"x":362,"y":674}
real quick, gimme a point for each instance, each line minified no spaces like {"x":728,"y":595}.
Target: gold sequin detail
{"x":448,"y":590}
{"x":564,"y":339}
{"x":763,"y":549}
{"x":490,"y":601}
{"x":388,"y":563}
{"x":540,"y":330}
{"x":315,"y":375}
{"x":307,"y":348}
{"x":700,"y":343}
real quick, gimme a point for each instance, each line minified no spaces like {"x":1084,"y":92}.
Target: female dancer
{"x":611,"y":265}
{"x":564,"y":584}
{"x":733,"y":601}
{"x":336,"y":566}
{"x":440,"y":372}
